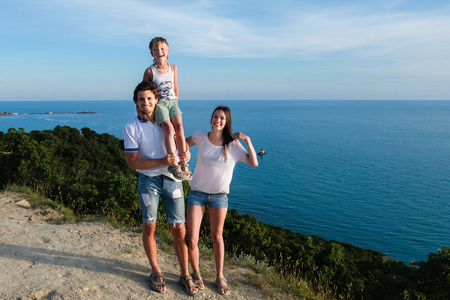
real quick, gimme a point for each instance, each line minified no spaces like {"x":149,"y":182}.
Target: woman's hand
{"x":241,"y":136}
{"x":186,"y":156}
{"x":251,"y":155}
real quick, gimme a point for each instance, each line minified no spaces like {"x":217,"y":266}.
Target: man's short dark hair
{"x":145,"y":86}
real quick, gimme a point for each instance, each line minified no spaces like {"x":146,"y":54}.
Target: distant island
{"x":46,"y":113}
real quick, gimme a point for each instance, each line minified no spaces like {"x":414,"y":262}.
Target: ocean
{"x":375,"y":174}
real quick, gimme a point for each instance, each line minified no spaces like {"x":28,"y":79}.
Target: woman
{"x":218,"y":153}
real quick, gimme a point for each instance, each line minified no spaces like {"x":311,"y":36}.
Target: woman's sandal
{"x":178,"y":175}
{"x":188,"y":173}
{"x":188,"y":287}
{"x":222,"y":287}
{"x":198,"y":281}
{"x":154,"y":284}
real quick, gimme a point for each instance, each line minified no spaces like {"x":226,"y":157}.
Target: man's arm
{"x":136,"y":162}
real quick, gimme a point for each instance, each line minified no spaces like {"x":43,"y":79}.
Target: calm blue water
{"x":375,"y":174}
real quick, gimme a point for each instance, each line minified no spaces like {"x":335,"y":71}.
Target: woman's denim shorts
{"x":214,"y":200}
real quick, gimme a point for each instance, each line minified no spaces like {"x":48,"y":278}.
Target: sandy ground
{"x":87,"y":260}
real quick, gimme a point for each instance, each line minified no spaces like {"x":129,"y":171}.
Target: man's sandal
{"x":188,"y":287}
{"x":222,"y":287}
{"x":154,"y":284}
{"x":198,"y":281}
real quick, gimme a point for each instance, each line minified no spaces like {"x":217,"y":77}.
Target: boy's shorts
{"x":166,"y":109}
{"x":150,"y":189}
{"x":214,"y":200}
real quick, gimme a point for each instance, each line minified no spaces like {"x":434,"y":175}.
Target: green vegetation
{"x":87,"y":173}
{"x":64,"y":214}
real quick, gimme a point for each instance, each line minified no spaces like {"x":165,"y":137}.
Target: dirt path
{"x":41,"y":260}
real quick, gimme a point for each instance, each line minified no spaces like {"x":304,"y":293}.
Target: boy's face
{"x":160,"y":52}
{"x":146,"y":101}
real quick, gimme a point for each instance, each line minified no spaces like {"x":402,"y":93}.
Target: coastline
{"x":47,"y":113}
{"x":330,"y":183}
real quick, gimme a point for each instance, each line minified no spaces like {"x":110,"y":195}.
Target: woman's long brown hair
{"x":227,"y":134}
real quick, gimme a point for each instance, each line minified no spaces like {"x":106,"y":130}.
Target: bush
{"x":88,"y":173}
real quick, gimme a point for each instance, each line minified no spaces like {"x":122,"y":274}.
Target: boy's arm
{"x":175,"y":81}
{"x":148,"y":75}
{"x":136,"y":162}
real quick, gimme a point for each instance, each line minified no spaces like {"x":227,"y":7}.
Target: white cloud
{"x":200,"y":31}
{"x":377,"y":40}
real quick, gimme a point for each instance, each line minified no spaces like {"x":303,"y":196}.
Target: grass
{"x":65,"y":215}
{"x":273,"y":284}
{"x":257,"y":273}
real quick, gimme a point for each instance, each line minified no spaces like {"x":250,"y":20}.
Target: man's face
{"x":146,"y":101}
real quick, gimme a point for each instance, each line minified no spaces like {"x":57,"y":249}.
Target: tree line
{"x":88,"y":173}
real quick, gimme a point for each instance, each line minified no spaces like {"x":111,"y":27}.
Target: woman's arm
{"x":251,"y":155}
{"x":190,"y":141}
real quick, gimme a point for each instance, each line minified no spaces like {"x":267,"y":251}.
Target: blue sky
{"x":227,"y":49}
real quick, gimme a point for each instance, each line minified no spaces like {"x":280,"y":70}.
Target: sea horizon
{"x":106,"y":100}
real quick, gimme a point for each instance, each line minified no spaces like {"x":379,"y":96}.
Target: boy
{"x":168,"y":114}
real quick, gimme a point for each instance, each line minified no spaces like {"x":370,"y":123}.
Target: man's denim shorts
{"x":171,"y":192}
{"x":214,"y":200}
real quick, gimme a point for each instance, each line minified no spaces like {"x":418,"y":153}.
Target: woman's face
{"x":218,"y":120}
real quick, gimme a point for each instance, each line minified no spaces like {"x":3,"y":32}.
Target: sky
{"x":227,"y":49}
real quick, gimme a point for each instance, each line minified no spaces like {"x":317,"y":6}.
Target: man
{"x":145,"y":151}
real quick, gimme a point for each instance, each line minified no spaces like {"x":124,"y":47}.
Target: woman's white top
{"x":214,"y":170}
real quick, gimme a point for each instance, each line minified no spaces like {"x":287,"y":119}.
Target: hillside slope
{"x":87,"y":260}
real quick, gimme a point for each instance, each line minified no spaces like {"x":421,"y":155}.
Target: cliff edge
{"x":87,"y":260}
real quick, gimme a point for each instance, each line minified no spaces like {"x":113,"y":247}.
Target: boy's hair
{"x":145,"y":86}
{"x":155,"y":42}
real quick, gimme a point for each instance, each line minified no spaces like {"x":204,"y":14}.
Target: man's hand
{"x":171,"y":159}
